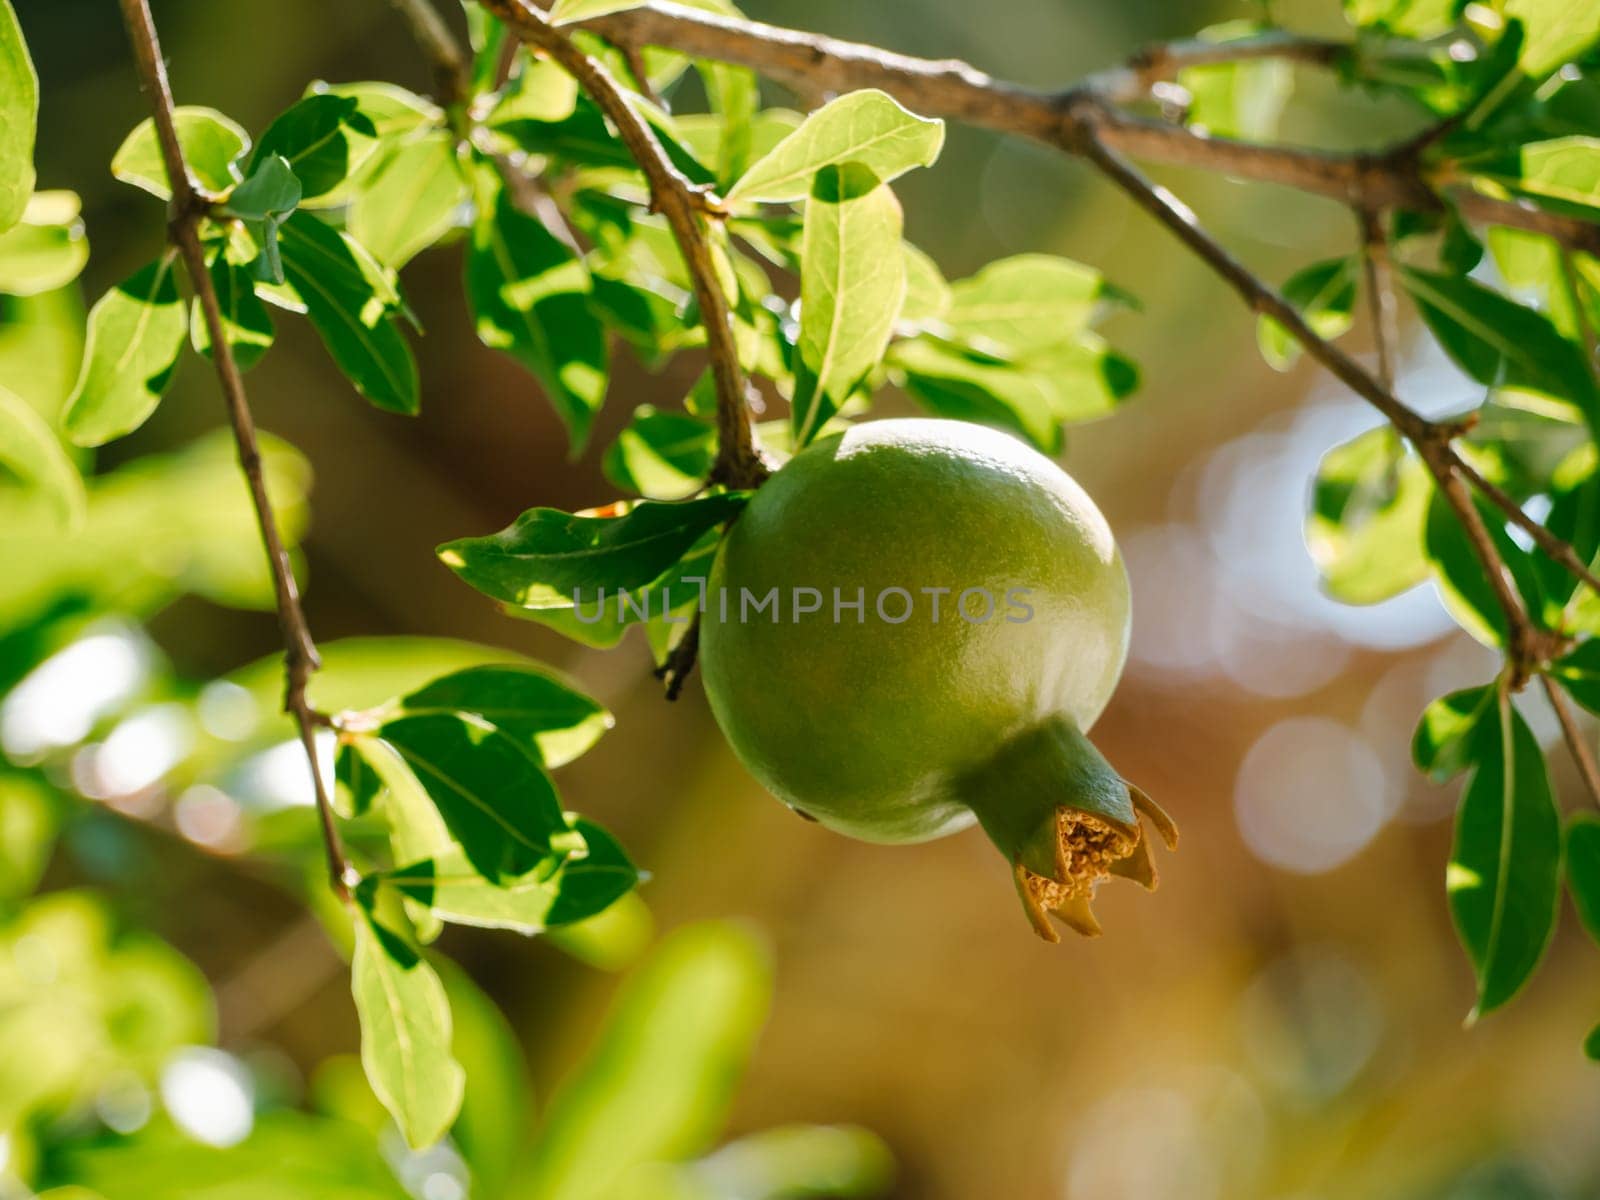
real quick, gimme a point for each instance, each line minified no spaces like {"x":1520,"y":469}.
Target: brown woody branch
{"x":1397,"y":178}
{"x":189,"y":206}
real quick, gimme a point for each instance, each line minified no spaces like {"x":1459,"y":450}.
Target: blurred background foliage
{"x":1274,"y":1022}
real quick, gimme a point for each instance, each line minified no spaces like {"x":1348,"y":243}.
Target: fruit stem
{"x":1065,"y":820}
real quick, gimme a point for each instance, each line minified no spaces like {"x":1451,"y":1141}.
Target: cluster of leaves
{"x":444,"y":798}
{"x":1514,"y":93}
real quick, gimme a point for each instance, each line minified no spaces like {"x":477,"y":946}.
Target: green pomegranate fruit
{"x":909,"y":628}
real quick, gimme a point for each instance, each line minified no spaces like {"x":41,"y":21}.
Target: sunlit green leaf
{"x":1027,"y":302}
{"x":658,"y":1084}
{"x":556,"y":892}
{"x":949,"y":382}
{"x":852,"y":283}
{"x":19,"y":116}
{"x":662,"y":455}
{"x":528,"y":298}
{"x":928,"y":296}
{"x":1503,"y":876}
{"x":350,"y":312}
{"x":408,"y":199}
{"x":323,"y":137}
{"x":136,"y":332}
{"x":1442,"y":746}
{"x":869,"y":128}
{"x":46,"y":248}
{"x":553,"y":559}
{"x":246,"y":324}
{"x":28,"y":824}
{"x":30,"y":451}
{"x":405,"y":1033}
{"x":563,"y":11}
{"x":1501,"y":343}
{"x":794,"y":1162}
{"x":1365,"y":528}
{"x":1556,"y":31}
{"x":1240,"y":99}
{"x":495,"y":798}
{"x":212,"y":147}
{"x":1325,"y":295}
{"x":544,"y":713}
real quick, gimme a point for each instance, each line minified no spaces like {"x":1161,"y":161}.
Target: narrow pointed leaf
{"x":405,"y":1033}
{"x":852,"y":284}
{"x":550,"y":559}
{"x":351,"y":313}
{"x":136,"y":332}
{"x":1442,"y":746}
{"x":1583,"y":870}
{"x":1503,"y":876}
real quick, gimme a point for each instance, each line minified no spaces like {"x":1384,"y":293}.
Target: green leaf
{"x":1403,"y":18}
{"x":662,"y":455}
{"x":528,"y":293}
{"x":658,"y":1084}
{"x":405,"y":1034}
{"x":1459,"y":575}
{"x":1442,"y":745}
{"x":928,"y":296}
{"x":556,"y":892}
{"x":28,"y":447}
{"x":949,"y":382}
{"x":1325,"y":295}
{"x":1563,"y":169}
{"x":1240,"y":99}
{"x":1369,"y":504}
{"x":408,"y":199}
{"x":852,"y":284}
{"x":1557,"y":31}
{"x":495,"y":798}
{"x":1579,"y":673}
{"x":19,"y":118}
{"x":551,"y":719}
{"x":1501,"y":343}
{"x":869,"y":128}
{"x":271,"y":190}
{"x":323,"y":137}
{"x":1503,"y":877}
{"x":551,"y":559}
{"x":1027,"y":302}
{"x":46,"y":249}
{"x":246,"y":323}
{"x":212,"y":147}
{"x":796,"y":1162}
{"x":29,"y":821}
{"x":565,"y":11}
{"x":350,"y":312}
{"x":136,"y":332}
{"x":392,"y":111}
{"x":1583,"y":870}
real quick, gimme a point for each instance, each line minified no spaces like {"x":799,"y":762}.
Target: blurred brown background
{"x":1282,"y":1019}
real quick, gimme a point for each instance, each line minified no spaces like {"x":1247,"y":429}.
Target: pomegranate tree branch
{"x":1527,"y":646}
{"x":809,"y":63}
{"x":686,"y":206}
{"x":189,"y":206}
{"x":1582,"y":756}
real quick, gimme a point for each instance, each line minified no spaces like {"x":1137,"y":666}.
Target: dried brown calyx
{"x":1089,"y":850}
{"x":1066,"y":821}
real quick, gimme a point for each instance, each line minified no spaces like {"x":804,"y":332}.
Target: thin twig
{"x":739,"y":463}
{"x":189,"y":206}
{"x":1527,"y":645}
{"x":446,"y":55}
{"x":950,"y":88}
{"x":1380,"y":293}
{"x":1582,"y":757}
